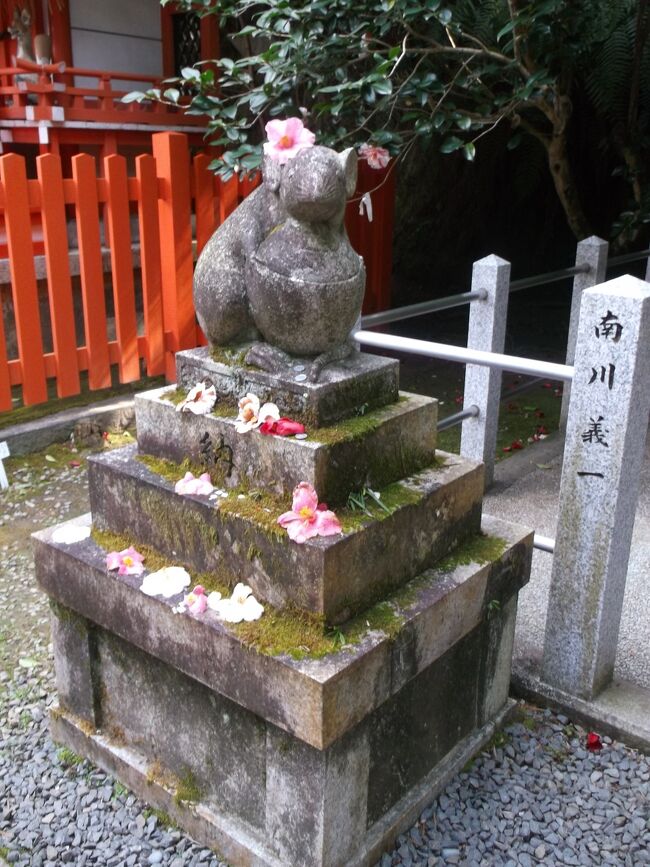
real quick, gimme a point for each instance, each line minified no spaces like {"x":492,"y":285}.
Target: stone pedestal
{"x":310,"y":755}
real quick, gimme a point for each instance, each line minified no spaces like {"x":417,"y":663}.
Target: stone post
{"x":592,"y":252}
{"x":605,"y":439}
{"x":487,"y":331}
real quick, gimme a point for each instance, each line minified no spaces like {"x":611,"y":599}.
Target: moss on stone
{"x":349,"y":429}
{"x":261,"y":507}
{"x":169,"y":470}
{"x":289,"y":631}
{"x":393,"y":496}
{"x":303,"y":635}
{"x":164,"y":819}
{"x":174,"y":395}
{"x":478,"y":549}
{"x":231,"y":356}
{"x":385,"y":616}
{"x":221,"y":581}
{"x":188,"y":789}
{"x":67,"y":615}
{"x":68,"y":757}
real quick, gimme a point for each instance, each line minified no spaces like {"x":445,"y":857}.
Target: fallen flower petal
{"x":168,"y":581}
{"x":70,"y":534}
{"x":306,"y":519}
{"x":242,"y":605}
{"x":195,"y":602}
{"x":252,"y":415}
{"x":282,"y":427}
{"x":127,"y":562}
{"x":189,"y":484}
{"x":594,"y":743}
{"x":200,"y":399}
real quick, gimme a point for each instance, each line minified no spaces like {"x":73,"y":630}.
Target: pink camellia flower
{"x":376,"y":157}
{"x":307,"y":518}
{"x":127,"y":562}
{"x":196,"y":602}
{"x":286,"y":138}
{"x":189,"y":484}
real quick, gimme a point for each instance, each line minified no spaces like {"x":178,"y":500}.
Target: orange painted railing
{"x":70,"y":325}
{"x":29,"y":92}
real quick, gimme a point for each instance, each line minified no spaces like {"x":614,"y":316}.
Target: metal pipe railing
{"x":625,"y":258}
{"x":448,"y":302}
{"x":549,"y":277}
{"x":457,"y":417}
{"x":411,"y":310}
{"x":543,"y":543}
{"x":514,"y":363}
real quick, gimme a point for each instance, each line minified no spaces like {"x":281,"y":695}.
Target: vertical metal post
{"x":487,"y":331}
{"x":605,"y":443}
{"x":592,"y":252}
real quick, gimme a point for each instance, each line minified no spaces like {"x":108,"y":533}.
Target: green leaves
{"x":451,"y":144}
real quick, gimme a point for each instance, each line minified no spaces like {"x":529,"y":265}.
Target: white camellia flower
{"x":242,"y":605}
{"x":69,"y":534}
{"x":200,"y":399}
{"x":252,"y":415}
{"x":168,"y":581}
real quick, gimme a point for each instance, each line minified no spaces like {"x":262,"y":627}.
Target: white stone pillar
{"x":605,"y":439}
{"x":593,"y":253}
{"x":487,"y":331}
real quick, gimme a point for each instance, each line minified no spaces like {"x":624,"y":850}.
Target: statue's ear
{"x":348,"y":160}
{"x":272,"y":173}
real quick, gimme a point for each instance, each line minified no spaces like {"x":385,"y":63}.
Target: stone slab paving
{"x":537,"y":796}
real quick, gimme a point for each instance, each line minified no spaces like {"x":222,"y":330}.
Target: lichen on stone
{"x":479,"y":548}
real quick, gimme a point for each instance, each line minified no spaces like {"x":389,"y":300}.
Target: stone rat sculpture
{"x":281,"y":266}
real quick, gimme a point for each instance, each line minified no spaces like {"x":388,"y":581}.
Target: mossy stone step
{"x":336,"y":576}
{"x":375,"y":449}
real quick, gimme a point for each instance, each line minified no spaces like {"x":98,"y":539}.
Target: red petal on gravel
{"x":594,"y":742}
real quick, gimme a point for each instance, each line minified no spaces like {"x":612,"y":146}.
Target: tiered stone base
{"x":314,"y":751}
{"x":283,"y":761}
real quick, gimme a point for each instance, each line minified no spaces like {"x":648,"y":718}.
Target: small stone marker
{"x":605,"y":439}
{"x":4,"y":453}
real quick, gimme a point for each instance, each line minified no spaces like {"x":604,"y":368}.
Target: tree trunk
{"x":565,"y":187}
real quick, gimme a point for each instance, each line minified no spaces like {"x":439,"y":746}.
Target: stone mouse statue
{"x":282,"y":268}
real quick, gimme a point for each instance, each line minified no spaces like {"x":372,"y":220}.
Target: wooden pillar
{"x":171,"y":152}
{"x":60,"y":32}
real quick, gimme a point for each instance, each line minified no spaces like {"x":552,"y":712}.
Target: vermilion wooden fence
{"x":136,"y":326}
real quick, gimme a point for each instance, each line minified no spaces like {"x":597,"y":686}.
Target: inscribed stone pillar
{"x":605,"y":438}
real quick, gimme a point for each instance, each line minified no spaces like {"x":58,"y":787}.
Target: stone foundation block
{"x":445,"y":619}
{"x":334,"y":576}
{"x":400,"y":439}
{"x":269,"y":759}
{"x":358,"y":383}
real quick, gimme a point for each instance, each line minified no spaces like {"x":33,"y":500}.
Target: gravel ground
{"x":536,"y":796}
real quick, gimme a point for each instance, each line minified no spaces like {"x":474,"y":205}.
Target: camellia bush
{"x":383,"y":74}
